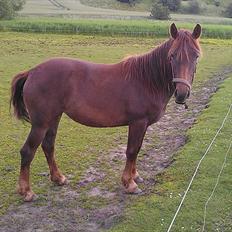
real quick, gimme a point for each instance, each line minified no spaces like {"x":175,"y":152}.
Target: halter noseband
{"x":183,"y":81}
{"x":180,"y":80}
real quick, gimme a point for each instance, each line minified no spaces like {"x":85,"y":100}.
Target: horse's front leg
{"x":136,"y":134}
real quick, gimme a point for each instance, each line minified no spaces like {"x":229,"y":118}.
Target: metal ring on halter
{"x":183,"y":81}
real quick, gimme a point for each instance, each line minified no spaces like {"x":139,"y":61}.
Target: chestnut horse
{"x":133,"y":92}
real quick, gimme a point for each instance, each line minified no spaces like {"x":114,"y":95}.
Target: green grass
{"x":143,"y":28}
{"x":78,"y":147}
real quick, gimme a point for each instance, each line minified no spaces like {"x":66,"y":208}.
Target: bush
{"x":193,"y":7}
{"x":173,"y":5}
{"x":8,"y":8}
{"x":159,"y":11}
{"x":217,"y":2}
{"x":228,"y":11}
{"x":130,"y":2}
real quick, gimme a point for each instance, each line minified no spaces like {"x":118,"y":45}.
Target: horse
{"x":133,"y":92}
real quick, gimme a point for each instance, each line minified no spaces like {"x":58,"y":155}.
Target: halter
{"x":180,"y":80}
{"x":183,"y":81}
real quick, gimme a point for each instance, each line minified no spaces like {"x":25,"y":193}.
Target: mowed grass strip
{"x":143,"y":28}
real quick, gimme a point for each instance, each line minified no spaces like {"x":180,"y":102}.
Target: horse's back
{"x":92,"y":94}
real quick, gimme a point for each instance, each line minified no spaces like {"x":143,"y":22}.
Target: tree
{"x":8,"y":8}
{"x":174,"y":5}
{"x":159,"y":11}
{"x":228,"y":11}
{"x":127,"y":1}
{"x":194,"y":7}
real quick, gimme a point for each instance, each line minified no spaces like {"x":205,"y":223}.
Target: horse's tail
{"x":16,"y":100}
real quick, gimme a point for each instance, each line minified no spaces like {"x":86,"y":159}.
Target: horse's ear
{"x":173,"y":31}
{"x":197,"y":31}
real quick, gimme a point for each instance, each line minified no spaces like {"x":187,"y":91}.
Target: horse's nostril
{"x":175,"y":93}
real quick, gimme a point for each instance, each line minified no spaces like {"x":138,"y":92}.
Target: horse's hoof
{"x":138,"y":180}
{"x":60,"y":181}
{"x":134,"y":191}
{"x":30,"y":196}
{"x":63,"y":181}
{"x":137,"y":191}
{"x":22,"y":189}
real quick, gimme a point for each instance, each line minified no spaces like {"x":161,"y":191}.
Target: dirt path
{"x":97,"y":202}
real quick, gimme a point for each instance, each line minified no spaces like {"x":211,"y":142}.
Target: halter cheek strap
{"x":183,"y":81}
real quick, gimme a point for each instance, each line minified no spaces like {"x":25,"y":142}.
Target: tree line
{"x":8,"y":8}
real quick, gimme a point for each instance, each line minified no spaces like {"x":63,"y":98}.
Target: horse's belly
{"x":97,"y":118}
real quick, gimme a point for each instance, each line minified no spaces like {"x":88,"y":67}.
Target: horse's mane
{"x":153,"y":69}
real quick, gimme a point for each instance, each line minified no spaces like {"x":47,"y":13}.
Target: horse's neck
{"x":153,"y":70}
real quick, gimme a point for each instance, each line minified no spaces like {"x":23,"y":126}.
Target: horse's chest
{"x":156,"y":114}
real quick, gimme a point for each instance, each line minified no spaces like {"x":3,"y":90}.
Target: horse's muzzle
{"x":180,"y":97}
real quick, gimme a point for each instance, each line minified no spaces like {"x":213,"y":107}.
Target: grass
{"x":78,"y":147}
{"x":143,"y":28}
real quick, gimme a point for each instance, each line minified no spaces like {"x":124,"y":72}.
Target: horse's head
{"x":183,"y":56}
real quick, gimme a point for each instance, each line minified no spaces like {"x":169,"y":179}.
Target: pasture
{"x":93,"y":159}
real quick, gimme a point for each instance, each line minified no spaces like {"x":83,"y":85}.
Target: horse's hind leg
{"x":27,"y":154}
{"x":48,"y":145}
